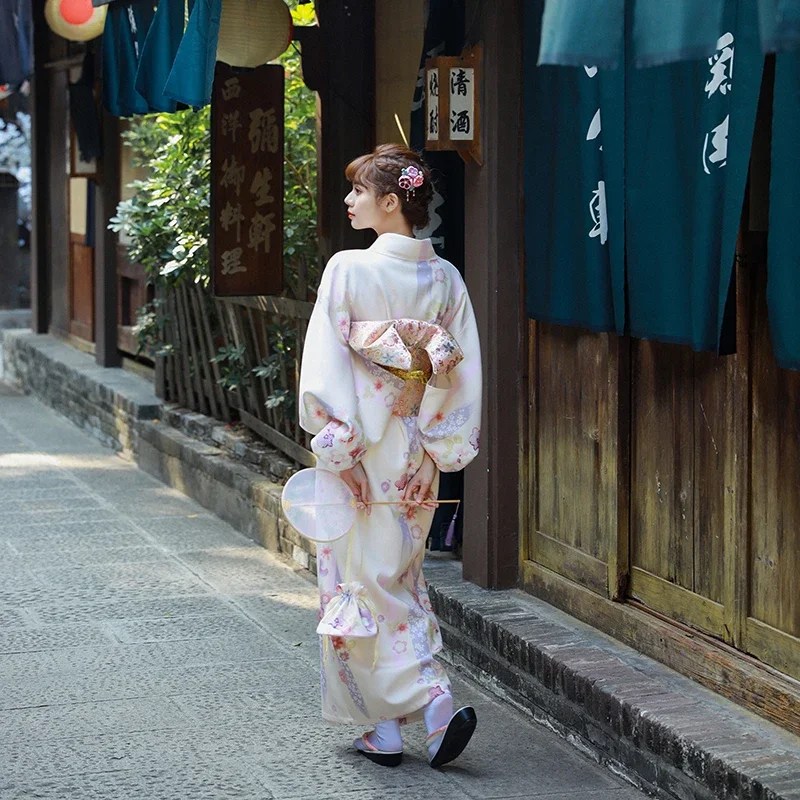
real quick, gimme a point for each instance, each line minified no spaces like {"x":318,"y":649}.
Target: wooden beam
{"x":105,"y":253}
{"x":40,"y":121}
{"x":494,"y":269}
{"x":347,"y":100}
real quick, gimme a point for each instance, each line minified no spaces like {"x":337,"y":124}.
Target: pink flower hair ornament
{"x":410,"y":178}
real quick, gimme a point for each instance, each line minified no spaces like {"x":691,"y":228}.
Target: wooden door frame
{"x":105,"y":253}
{"x":494,"y":253}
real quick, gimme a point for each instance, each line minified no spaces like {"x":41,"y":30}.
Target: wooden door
{"x":577,"y":470}
{"x":771,"y":582}
{"x":81,"y":288}
{"x":670,"y":479}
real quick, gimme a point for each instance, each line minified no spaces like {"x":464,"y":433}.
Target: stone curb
{"x":232,"y":490}
{"x":106,"y":403}
{"x":637,"y":716}
{"x":663,"y":732}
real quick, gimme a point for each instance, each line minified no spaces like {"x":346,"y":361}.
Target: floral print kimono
{"x":391,"y":369}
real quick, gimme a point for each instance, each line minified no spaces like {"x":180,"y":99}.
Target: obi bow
{"x":391,"y":344}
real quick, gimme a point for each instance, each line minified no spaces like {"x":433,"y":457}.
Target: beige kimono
{"x":391,"y":368}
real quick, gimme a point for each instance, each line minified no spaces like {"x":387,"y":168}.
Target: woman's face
{"x":364,"y":209}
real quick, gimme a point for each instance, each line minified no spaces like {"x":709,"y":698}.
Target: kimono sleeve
{"x":450,"y":413}
{"x":328,"y":406}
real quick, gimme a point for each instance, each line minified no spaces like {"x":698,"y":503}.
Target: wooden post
{"x":105,"y":254}
{"x":347,"y":99}
{"x":40,"y":273}
{"x":494,"y":269}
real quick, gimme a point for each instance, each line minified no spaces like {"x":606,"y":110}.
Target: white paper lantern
{"x":253,"y":32}
{"x":76,"y":20}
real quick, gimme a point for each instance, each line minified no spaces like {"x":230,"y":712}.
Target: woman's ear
{"x":390,"y":202}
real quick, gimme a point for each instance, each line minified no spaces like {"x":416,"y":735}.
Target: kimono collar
{"x":398,"y":246}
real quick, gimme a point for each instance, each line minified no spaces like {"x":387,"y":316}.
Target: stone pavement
{"x":149,"y":651}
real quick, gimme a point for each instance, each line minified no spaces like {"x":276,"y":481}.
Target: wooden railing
{"x":240,"y":357}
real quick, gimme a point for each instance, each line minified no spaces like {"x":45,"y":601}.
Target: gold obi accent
{"x":409,"y":374}
{"x":414,"y":382}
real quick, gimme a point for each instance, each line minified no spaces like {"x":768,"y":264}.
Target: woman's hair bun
{"x":381,"y":170}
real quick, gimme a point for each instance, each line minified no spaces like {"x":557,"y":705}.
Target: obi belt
{"x":409,"y":350}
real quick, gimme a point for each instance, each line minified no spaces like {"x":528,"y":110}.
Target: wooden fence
{"x":240,"y":357}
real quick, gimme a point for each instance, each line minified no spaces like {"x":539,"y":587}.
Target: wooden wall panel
{"x":576,"y":409}
{"x":662,"y":493}
{"x":775,"y":499}
{"x":713,"y":430}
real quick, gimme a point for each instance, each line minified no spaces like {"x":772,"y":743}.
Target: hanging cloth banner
{"x":577,"y":32}
{"x":126,"y":29}
{"x":780,"y":25}
{"x":192,"y":75}
{"x":15,"y":42}
{"x":573,"y":172}
{"x":158,"y":53}
{"x":783,"y":270}
{"x":689,"y":130}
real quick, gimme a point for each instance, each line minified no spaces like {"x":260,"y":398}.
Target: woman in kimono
{"x":391,"y":389}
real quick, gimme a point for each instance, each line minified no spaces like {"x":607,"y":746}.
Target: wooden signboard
{"x":247,"y":181}
{"x":452,"y":97}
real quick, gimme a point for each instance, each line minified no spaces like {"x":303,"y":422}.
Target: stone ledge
{"x":640,"y":718}
{"x":232,"y":490}
{"x":15,"y":318}
{"x":106,"y":403}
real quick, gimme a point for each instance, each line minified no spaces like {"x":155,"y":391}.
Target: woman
{"x":391,"y":388}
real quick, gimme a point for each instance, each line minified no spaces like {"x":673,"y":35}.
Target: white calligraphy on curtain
{"x":715,"y":144}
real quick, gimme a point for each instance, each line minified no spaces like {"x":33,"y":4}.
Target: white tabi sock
{"x":437,"y":714}
{"x":386,"y":737}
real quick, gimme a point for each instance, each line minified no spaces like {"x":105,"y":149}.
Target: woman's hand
{"x":356,"y":479}
{"x":419,"y":487}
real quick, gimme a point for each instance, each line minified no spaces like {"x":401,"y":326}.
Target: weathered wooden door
{"x":577,"y":492}
{"x":670,"y":479}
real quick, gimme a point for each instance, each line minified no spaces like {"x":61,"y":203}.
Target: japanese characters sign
{"x":453,"y":109}
{"x":247,"y":181}
{"x":432,"y":105}
{"x":720,"y":81}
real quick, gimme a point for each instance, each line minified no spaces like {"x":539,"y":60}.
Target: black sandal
{"x":382,"y":757}
{"x":455,"y":736}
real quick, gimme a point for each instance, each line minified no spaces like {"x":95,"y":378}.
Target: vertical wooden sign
{"x":453,"y":103}
{"x":247,"y":181}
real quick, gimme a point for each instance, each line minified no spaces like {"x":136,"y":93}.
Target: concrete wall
{"x":399,"y":31}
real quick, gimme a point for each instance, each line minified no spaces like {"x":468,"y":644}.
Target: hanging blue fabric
{"x":158,"y":54}
{"x":574,"y":190}
{"x":780,"y":25}
{"x":126,"y":28}
{"x":192,"y":74}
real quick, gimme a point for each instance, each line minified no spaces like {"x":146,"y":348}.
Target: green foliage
{"x":233,"y":374}
{"x":166,"y":223}
{"x":149,"y":330}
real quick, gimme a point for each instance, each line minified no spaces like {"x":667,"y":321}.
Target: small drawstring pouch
{"x":349,"y":614}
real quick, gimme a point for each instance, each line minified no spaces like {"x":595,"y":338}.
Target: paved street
{"x":148,"y":650}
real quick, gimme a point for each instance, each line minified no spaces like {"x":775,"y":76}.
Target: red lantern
{"x":76,"y":20}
